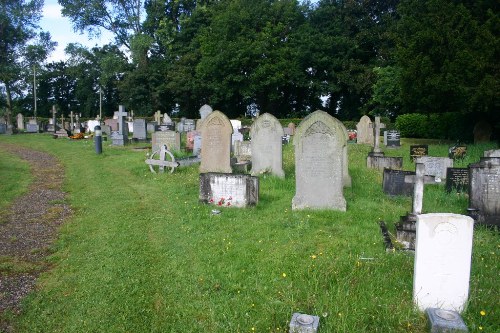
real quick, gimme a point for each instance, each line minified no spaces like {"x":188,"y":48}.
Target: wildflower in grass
{"x":313,"y":256}
{"x":284,"y":275}
{"x":483,"y":313}
{"x":480,"y":328}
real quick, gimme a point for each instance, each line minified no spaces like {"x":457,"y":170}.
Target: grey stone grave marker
{"x":32,"y":126}
{"x":392,"y":139}
{"x":266,"y":145}
{"x":443,"y":251}
{"x":120,"y":137}
{"x":435,"y":166}
{"x":365,"y":131}
{"x":204,"y":111}
{"x":20,"y":121}
{"x":171,"y":139}
{"x":216,"y":132}
{"x":229,"y":190}
{"x":444,"y":321}
{"x":304,"y":323}
{"x":140,"y":132}
{"x":319,"y":152}
{"x":484,"y":190}
{"x":394,"y":183}
{"x":457,"y":179}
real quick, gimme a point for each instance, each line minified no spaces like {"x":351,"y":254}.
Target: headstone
{"x":482,"y":132}
{"x":291,"y":128}
{"x":236,"y":125}
{"x":392,"y":139}
{"x":171,"y":139}
{"x":151,"y":127}
{"x":120,"y":137}
{"x":484,"y":191}
{"x":216,"y":131}
{"x":228,"y":190}
{"x":376,"y":135}
{"x":105,"y":129}
{"x":243,"y":151}
{"x":394,"y":183}
{"x":457,"y":179}
{"x":319,"y":152}
{"x":266,"y":133}
{"x":304,"y":323}
{"x":112,"y":123}
{"x":91,"y":124}
{"x":444,"y":321}
{"x":130,"y":126}
{"x":166,"y":119}
{"x":197,"y":144}
{"x":492,"y":153}
{"x":205,"y":110}
{"x":365,"y":131}
{"x":457,"y":151}
{"x":443,"y":251}
{"x":32,"y":126}
{"x":236,"y":136}
{"x":140,"y":132}
{"x":20,"y":121}
{"x":3,"y":128}
{"x":189,"y":125}
{"x":418,"y":151}
{"x":381,"y":162}
{"x":435,"y":166}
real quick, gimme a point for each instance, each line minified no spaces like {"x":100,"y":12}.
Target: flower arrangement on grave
{"x":77,"y":136}
{"x":222,"y":201}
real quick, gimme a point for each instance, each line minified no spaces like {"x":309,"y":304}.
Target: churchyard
{"x":146,"y":252}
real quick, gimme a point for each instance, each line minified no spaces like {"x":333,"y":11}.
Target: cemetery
{"x":197,"y":242}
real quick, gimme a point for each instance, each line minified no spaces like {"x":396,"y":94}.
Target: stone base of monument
{"x":119,"y":139}
{"x":61,"y":134}
{"x":304,"y":323}
{"x":379,"y":161}
{"x":387,"y":237}
{"x":406,"y":231}
{"x":229,"y":190}
{"x":242,"y":166}
{"x":444,"y":321}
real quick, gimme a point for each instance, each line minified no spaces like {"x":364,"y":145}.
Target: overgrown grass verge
{"x":141,"y":254}
{"x":15,"y":178}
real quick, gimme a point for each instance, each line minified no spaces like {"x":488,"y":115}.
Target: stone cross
{"x":418,"y":188}
{"x":158,"y":117}
{"x":54,"y":111}
{"x":378,"y":126}
{"x":121,"y":119}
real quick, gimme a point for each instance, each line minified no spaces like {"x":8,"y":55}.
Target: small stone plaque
{"x":444,"y":321}
{"x":304,"y":323}
{"x":457,"y":179}
{"x":229,"y":190}
{"x":379,"y":161}
{"x":394,"y":182}
{"x":457,"y":152}
{"x":32,"y":128}
{"x":418,"y":151}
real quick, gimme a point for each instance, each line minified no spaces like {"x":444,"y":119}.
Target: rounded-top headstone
{"x":216,"y":131}
{"x":266,"y":145}
{"x":205,"y":110}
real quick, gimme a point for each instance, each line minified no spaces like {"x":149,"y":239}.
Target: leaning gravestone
{"x":229,"y":190}
{"x":443,"y":251}
{"x":435,"y":166}
{"x":484,"y":190}
{"x":319,"y":151}
{"x":171,"y":139}
{"x":266,"y":133}
{"x":365,"y":131}
{"x":457,"y":179}
{"x":418,"y":151}
{"x":216,"y":132}
{"x":140,"y":132}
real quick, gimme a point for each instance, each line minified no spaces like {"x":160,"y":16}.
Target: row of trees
{"x":286,"y":57}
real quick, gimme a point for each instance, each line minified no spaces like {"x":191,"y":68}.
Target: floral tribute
{"x":222,"y":201}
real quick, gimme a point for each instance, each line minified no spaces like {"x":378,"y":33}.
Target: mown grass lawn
{"x":141,"y":254}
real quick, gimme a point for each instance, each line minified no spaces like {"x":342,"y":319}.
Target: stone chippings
{"x":30,"y":224}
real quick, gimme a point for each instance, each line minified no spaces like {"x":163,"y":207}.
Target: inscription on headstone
{"x":169,"y":138}
{"x":484,"y":190}
{"x":229,"y":190}
{"x":418,"y":151}
{"x":266,"y":145}
{"x":457,"y":179}
{"x":394,"y":182}
{"x":435,"y":166}
{"x":216,"y":132}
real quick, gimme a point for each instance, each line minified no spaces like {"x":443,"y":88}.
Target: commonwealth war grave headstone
{"x":443,"y":251}
{"x":216,"y":132}
{"x":319,"y":141}
{"x":267,"y":156}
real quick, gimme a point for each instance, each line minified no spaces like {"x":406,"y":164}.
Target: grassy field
{"x":141,"y":254}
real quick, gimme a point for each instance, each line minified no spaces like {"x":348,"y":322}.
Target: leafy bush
{"x":412,"y":125}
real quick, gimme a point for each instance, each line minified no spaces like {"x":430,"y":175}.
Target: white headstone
{"x":20,"y":121}
{"x":443,"y":252}
{"x":267,"y":156}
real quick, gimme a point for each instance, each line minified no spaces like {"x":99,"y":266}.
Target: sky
{"x":61,"y":31}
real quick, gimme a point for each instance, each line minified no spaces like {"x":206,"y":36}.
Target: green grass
{"x":15,"y":177}
{"x":141,"y":254}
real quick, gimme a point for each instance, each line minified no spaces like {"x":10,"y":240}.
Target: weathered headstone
{"x":291,"y":128}
{"x":484,"y":190}
{"x":151,"y":127}
{"x":120,"y":137}
{"x":492,"y":153}
{"x":365,"y":131}
{"x":444,"y":321}
{"x":189,"y":125}
{"x":418,"y":151}
{"x":140,"y":132}
{"x":112,"y":123}
{"x":229,"y":190}
{"x":482,"y":132}
{"x":392,"y":139}
{"x":435,"y":166}
{"x":457,"y":179}
{"x":204,"y":111}
{"x":394,"y":183}
{"x":171,"y":139}
{"x":243,"y":151}
{"x":266,"y":133}
{"x":381,"y":162}
{"x":443,"y":251}
{"x":216,"y":132}
{"x":20,"y":121}
{"x":319,"y":151}
{"x":32,"y":126}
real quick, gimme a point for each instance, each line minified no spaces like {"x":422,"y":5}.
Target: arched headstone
{"x":216,"y":133}
{"x":266,"y":133}
{"x":365,"y":131}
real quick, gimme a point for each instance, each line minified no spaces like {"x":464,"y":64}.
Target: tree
{"x":18,"y":27}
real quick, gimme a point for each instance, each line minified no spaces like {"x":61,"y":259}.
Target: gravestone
{"x":105,"y":129}
{"x":381,"y":162}
{"x":304,"y":323}
{"x":291,"y":128}
{"x":435,"y":166}
{"x":140,"y":132}
{"x":151,"y":127}
{"x":216,"y":131}
{"x":319,"y":152}
{"x":157,"y":117}
{"x":482,"y":132}
{"x":457,"y":179}
{"x":394,"y":183}
{"x":112,"y":123}
{"x":418,"y":151}
{"x":243,"y":151}
{"x":120,"y":137}
{"x":20,"y":121}
{"x":457,"y":151}
{"x":484,"y":191}
{"x":166,"y":119}
{"x":365,"y":131}
{"x":443,"y":321}
{"x":228,"y":190}
{"x":197,"y":140}
{"x":32,"y":126}
{"x":189,"y":125}
{"x":236,"y":136}
{"x":204,"y":111}
{"x":443,"y":251}
{"x":171,"y":139}
{"x":3,"y":128}
{"x":392,"y":139}
{"x":492,"y":153}
{"x":266,"y":146}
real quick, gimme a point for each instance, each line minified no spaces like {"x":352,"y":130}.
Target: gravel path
{"x":28,"y":227}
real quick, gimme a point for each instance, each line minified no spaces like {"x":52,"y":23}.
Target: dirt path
{"x":27,"y":228}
